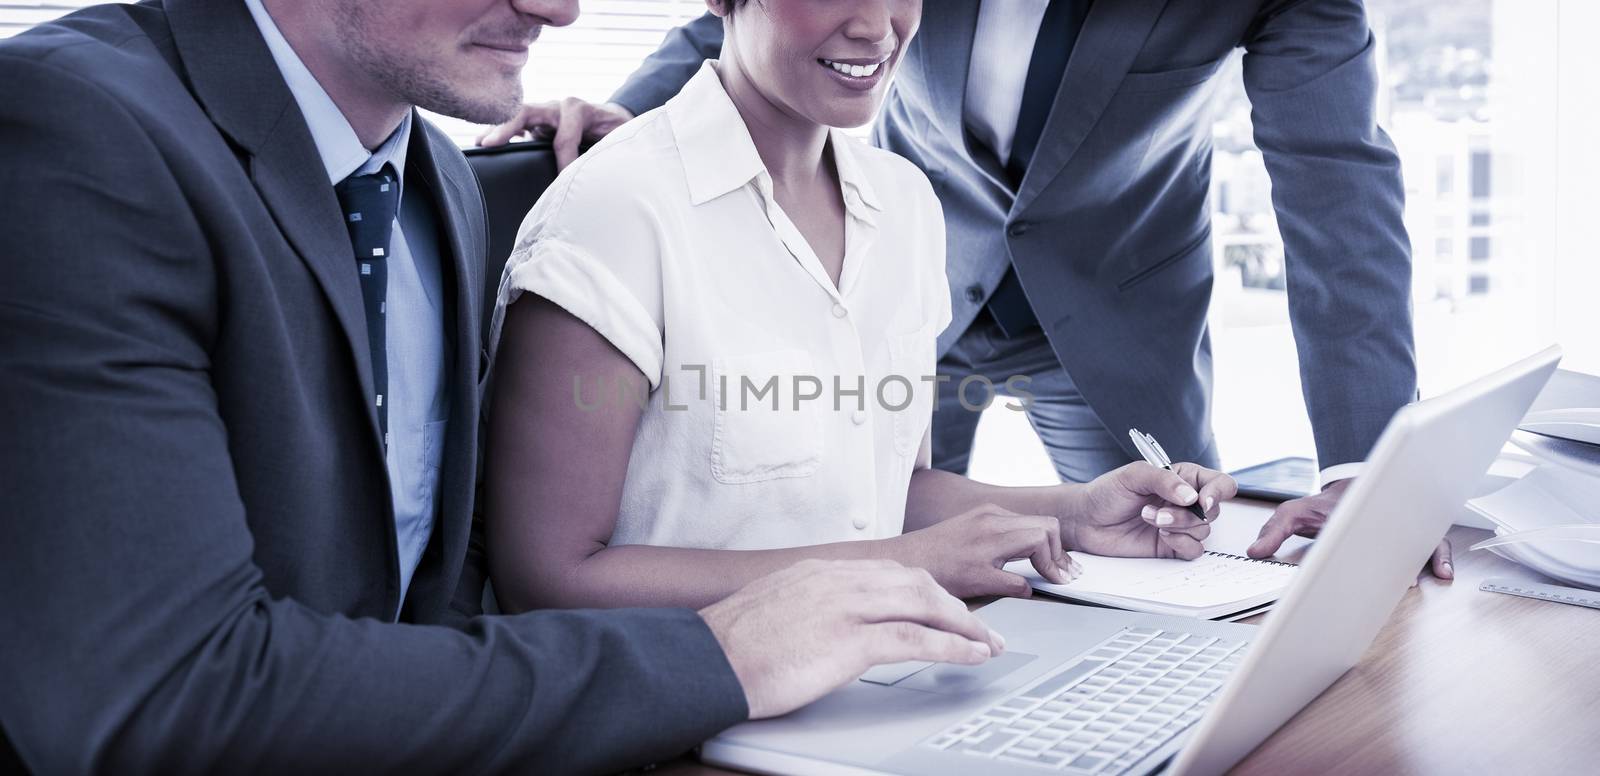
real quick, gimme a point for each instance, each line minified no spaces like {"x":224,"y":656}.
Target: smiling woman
{"x":788,"y":45}
{"x":727,"y":243}
{"x":615,"y":272}
{"x":859,"y":73}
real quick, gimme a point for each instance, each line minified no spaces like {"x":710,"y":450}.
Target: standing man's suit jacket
{"x":1110,"y":228}
{"x":199,"y":554}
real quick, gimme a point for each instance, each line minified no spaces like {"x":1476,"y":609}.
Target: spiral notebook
{"x":1216,"y":585}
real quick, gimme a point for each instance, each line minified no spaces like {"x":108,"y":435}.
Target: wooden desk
{"x":1458,"y":681}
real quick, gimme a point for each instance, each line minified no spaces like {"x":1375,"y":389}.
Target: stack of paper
{"x":1577,"y":424}
{"x":1580,"y":457}
{"x":1549,"y":520}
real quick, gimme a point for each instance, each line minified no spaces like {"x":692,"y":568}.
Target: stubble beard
{"x":423,"y":83}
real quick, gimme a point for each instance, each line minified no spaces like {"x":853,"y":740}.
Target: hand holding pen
{"x":1156,"y":456}
{"x":1148,"y":510}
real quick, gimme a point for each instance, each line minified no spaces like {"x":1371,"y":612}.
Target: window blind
{"x":588,"y":59}
{"x":19,"y":15}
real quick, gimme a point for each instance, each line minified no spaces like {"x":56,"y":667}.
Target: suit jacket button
{"x":974,"y":293}
{"x":1018,"y":229}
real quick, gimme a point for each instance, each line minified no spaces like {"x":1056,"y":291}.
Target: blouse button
{"x":839,"y":311}
{"x":858,"y":417}
{"x":860,"y":523}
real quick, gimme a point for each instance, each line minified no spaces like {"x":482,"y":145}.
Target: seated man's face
{"x":461,"y":58}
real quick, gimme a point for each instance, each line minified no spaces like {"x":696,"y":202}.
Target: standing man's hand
{"x":569,"y":122}
{"x":1305,"y":516}
{"x":797,"y":634}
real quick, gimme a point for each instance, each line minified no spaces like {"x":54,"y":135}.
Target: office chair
{"x":512,"y":178}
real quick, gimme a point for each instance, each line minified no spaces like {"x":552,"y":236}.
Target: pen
{"x":1157,"y":457}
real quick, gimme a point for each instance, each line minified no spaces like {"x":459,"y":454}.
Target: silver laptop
{"x":1098,"y":691}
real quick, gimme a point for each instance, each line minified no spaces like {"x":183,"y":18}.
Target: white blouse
{"x":782,"y":411}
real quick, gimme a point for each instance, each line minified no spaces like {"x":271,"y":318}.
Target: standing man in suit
{"x":239,"y":381}
{"x":1074,"y":175}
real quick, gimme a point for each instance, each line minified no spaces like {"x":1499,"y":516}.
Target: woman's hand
{"x":1140,"y":511}
{"x":965,"y":553}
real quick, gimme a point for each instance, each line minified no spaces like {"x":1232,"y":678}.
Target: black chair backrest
{"x":512,"y":177}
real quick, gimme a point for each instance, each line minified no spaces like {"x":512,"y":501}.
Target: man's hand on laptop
{"x":1305,"y":516}
{"x":1140,"y":511}
{"x":568,"y":123}
{"x":797,"y":634}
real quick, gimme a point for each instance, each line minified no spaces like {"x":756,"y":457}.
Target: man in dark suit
{"x":239,"y":366}
{"x":1069,"y":142}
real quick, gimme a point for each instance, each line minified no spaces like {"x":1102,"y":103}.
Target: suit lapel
{"x":945,"y":39}
{"x":292,"y":181}
{"x":454,"y":210}
{"x":1111,"y":37}
{"x":464,"y":256}
{"x":234,"y":76}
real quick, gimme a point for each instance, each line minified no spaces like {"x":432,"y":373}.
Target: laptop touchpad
{"x":951,"y":678}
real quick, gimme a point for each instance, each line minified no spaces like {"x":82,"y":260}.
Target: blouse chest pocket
{"x":907,"y":392}
{"x":760,"y":431}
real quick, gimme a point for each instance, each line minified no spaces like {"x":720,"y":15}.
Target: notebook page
{"x":1210,"y":580}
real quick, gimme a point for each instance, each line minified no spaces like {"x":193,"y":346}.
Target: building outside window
{"x":1459,"y":83}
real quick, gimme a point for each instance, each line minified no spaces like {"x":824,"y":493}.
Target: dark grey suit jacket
{"x":1110,"y":229}
{"x":198,"y":567}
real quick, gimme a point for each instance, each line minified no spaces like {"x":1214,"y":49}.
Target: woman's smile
{"x":858,"y":74}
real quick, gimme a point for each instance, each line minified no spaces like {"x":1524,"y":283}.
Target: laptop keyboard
{"x":1130,"y":695}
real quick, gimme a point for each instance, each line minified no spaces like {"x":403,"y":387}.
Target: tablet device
{"x":1285,"y":479}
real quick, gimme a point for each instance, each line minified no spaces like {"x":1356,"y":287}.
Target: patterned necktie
{"x":369,"y":203}
{"x":1058,"y":32}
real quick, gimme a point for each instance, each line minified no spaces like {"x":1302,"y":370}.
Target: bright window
{"x":1499,"y":192}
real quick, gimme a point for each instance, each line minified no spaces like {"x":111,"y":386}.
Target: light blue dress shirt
{"x":418,"y":412}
